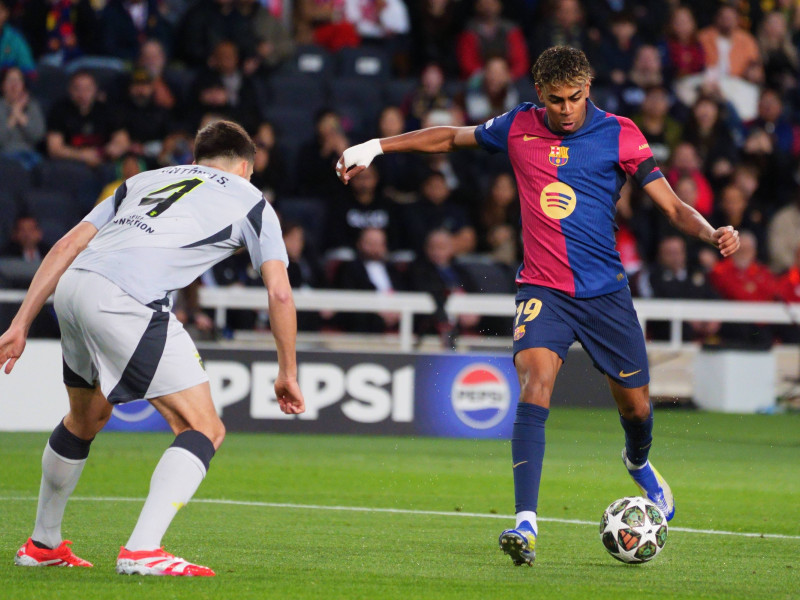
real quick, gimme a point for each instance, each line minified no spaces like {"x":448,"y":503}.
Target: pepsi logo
{"x":480,"y":396}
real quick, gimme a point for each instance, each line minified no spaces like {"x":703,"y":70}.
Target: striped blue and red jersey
{"x":568,"y":188}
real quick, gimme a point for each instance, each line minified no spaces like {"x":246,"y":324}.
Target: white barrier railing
{"x":408,"y":304}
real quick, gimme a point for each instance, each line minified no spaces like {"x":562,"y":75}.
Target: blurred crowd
{"x":95,"y":91}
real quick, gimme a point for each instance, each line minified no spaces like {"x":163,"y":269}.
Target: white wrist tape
{"x":362,"y":155}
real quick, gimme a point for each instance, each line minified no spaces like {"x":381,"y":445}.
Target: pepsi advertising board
{"x":444,"y":395}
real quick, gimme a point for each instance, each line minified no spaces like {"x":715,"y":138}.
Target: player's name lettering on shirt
{"x":136,"y":221}
{"x":220,"y":179}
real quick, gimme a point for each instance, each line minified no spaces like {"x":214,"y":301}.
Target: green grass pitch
{"x":737,"y":474}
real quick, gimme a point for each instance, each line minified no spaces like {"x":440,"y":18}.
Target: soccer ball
{"x":633,"y":530}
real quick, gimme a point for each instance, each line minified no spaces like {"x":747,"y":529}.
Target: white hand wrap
{"x":362,"y":155}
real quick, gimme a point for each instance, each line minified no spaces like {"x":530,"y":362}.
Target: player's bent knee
{"x":536,"y":392}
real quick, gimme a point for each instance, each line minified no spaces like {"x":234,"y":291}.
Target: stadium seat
{"x":15,"y":180}
{"x":488,"y":276}
{"x":297,"y":90}
{"x":395,"y":91}
{"x":72,"y":177}
{"x":53,"y":204}
{"x":310,"y":60}
{"x":53,"y":230}
{"x":526,"y":89}
{"x":109,"y":73}
{"x":357,"y":103}
{"x":369,"y":63}
{"x":49,"y":86}
{"x":310,"y":212}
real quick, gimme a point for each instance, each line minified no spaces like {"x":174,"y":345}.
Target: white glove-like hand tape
{"x":362,"y":155}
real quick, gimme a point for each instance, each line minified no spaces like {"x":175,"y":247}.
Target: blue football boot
{"x":519,"y":544}
{"x":652,"y":485}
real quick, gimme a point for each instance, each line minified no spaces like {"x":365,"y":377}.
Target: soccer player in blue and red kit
{"x":570,"y":160}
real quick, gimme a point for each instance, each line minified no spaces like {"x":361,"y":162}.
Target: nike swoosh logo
{"x":518,"y":464}
{"x":528,"y":138}
{"x":623,"y":374}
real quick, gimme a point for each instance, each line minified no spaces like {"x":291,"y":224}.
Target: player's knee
{"x":536,"y":391}
{"x":217,"y":434}
{"x":637,"y":412}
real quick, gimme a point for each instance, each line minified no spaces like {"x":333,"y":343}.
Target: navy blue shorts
{"x":606,"y":326}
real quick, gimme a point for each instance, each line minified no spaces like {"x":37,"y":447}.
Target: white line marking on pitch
{"x":403,"y":511}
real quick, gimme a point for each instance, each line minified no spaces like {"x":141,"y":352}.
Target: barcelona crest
{"x":519,"y":332}
{"x":559,"y":155}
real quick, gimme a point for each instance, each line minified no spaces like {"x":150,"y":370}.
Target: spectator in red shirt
{"x":789,"y":291}
{"x":685,"y":162}
{"x":742,"y":277}
{"x":789,"y":282}
{"x":685,"y":54}
{"x":487,"y":35}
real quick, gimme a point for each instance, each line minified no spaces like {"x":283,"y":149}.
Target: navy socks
{"x":638,"y":438}
{"x":527,"y":453}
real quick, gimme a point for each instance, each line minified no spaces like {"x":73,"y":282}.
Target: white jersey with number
{"x":162,"y":229}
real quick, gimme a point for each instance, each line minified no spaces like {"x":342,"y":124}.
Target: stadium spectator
{"x":433,"y":34}
{"x":206,"y":24}
{"x":14,"y":49}
{"x":317,"y":157}
{"x":429,"y":95}
{"x":26,"y":240}
{"x":684,"y":52}
{"x":399,"y":173}
{"x":780,"y":55}
{"x":686,"y":163}
{"x":269,"y":166}
{"x":733,"y":206}
{"x":488,"y":35}
{"x":365,"y":207}
{"x":22,"y":124}
{"x":773,"y":145}
{"x":645,"y":73}
{"x":125,"y":168}
{"x":378,"y":20}
{"x":499,"y":221}
{"x":789,"y":291}
{"x":273,"y":42}
{"x":435,"y":272}
{"x":146,"y":122}
{"x":650,"y":15}
{"x":370,"y":271}
{"x":563,"y":25}
{"x":126,"y":24}
{"x":60,"y":30}
{"x":662,"y":132}
{"x":742,"y":277}
{"x":729,"y":49}
{"x":671,"y":277}
{"x":706,"y":131}
{"x":323,"y":22}
{"x":783,"y":235}
{"x":304,"y":273}
{"x":618,"y":51}
{"x":84,"y":128}
{"x":436,"y":210}
{"x":491,"y":92}
{"x":166,"y":87}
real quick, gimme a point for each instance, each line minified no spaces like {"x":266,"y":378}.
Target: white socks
{"x":530,"y":517}
{"x":59,"y":477}
{"x":174,"y":482}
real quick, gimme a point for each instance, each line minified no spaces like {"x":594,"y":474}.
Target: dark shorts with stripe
{"x":132,"y":350}
{"x":606,"y":326}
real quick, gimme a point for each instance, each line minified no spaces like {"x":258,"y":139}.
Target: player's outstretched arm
{"x":283,"y":321}
{"x":60,"y":257}
{"x":686,"y":219}
{"x":431,"y":140}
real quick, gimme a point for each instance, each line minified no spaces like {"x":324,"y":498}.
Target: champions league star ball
{"x":633,"y":530}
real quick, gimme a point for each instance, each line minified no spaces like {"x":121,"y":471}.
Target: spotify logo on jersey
{"x":558,"y":200}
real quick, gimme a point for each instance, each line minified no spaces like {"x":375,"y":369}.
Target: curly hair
{"x":561,"y":65}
